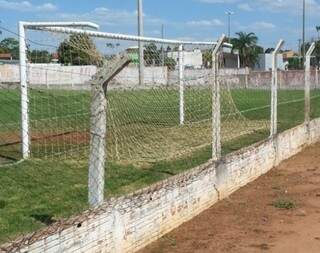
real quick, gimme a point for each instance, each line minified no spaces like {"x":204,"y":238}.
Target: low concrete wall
{"x":291,"y":79}
{"x":77,"y":77}
{"x":56,"y":76}
{"x":129,"y":223}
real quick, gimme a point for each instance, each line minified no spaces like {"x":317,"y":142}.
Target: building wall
{"x":190,"y":58}
{"x":129,"y":223}
{"x":265,"y":62}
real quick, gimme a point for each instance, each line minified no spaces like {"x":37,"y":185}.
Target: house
{"x":55,"y":58}
{"x":133,"y":53}
{"x":289,"y":54}
{"x":231,"y":58}
{"x":191,"y":58}
{"x":6,"y":56}
{"x":264,"y":62}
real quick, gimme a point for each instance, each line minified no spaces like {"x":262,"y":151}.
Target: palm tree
{"x":246,"y":43}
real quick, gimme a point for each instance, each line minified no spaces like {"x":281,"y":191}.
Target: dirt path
{"x":279,"y":212}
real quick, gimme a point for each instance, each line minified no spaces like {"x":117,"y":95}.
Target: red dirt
{"x":248,"y":221}
{"x":73,"y":137}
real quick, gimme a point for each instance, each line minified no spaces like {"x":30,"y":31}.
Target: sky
{"x":182,"y":19}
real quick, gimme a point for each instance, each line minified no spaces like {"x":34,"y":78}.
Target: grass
{"x":284,"y":204}
{"x":37,"y":192}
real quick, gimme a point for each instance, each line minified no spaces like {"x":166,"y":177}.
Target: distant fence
{"x":77,"y":77}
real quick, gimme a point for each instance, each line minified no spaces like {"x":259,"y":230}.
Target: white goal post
{"x":25,"y":136}
{"x":98,"y":116}
{"x":79,"y":28}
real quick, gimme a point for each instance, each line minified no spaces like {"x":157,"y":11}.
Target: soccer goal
{"x":88,"y":96}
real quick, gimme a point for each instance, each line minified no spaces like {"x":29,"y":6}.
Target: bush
{"x":170,"y":63}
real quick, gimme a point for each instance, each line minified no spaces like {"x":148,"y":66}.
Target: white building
{"x":191,"y":59}
{"x":264,"y":62}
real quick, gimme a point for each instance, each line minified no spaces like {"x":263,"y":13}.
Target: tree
{"x":10,"y":45}
{"x":315,"y":61}
{"x":78,"y":50}
{"x":152,"y":55}
{"x":295,"y":63}
{"x":207,"y":58}
{"x":39,"y":56}
{"x":170,"y":63}
{"x":246,"y":43}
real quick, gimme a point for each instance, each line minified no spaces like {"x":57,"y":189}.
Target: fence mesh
{"x":152,"y":127}
{"x":315,"y":94}
{"x":246,"y":114}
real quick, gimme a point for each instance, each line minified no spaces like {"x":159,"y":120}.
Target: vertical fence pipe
{"x":307,"y":79}
{"x":274,"y":90}
{"x":24,"y":94}
{"x":216,"y":113}
{"x":181,"y":84}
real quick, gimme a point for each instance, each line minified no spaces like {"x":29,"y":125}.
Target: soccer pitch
{"x":37,"y":192}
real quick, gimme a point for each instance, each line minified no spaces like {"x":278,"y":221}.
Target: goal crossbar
{"x":97,"y":34}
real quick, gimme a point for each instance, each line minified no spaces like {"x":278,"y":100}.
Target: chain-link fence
{"x":84,"y":114}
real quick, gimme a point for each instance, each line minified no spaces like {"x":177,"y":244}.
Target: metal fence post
{"x":24,"y":93}
{"x":216,"y":113}
{"x":247,"y":73}
{"x":307,"y":79}
{"x":98,"y":131}
{"x":274,"y":90}
{"x":181,"y":84}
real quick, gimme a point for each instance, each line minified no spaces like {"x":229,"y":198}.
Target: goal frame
{"x":82,"y":28}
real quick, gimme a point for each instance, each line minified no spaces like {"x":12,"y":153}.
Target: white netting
{"x":168,"y":115}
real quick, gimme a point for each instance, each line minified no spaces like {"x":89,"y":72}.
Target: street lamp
{"x":229,"y":14}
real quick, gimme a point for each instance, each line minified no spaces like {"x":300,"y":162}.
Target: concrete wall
{"x":291,"y":79}
{"x":129,"y":223}
{"x":77,"y":77}
{"x":48,"y":75}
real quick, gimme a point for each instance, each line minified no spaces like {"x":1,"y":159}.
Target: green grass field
{"x":37,"y":192}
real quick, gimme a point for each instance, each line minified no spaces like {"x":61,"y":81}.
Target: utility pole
{"x":229,"y":13}
{"x":318,"y":30}
{"x":140,"y":33}
{"x":304,"y":31}
{"x":162,"y":49}
{"x":299,"y":47}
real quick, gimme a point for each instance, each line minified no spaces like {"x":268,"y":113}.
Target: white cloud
{"x":112,"y":17}
{"x":213,"y":22}
{"x":256,"y":26}
{"x":286,"y":6}
{"x":245,"y":7}
{"x":26,"y":6}
{"x":263,"y":25}
{"x":218,"y":1}
{"x":283,"y":6}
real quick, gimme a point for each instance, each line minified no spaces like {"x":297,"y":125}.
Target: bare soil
{"x":279,"y":212}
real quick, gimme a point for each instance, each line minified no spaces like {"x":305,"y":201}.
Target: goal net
{"x":158,"y":108}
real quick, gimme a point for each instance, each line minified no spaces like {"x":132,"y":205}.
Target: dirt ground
{"x":279,"y":212}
